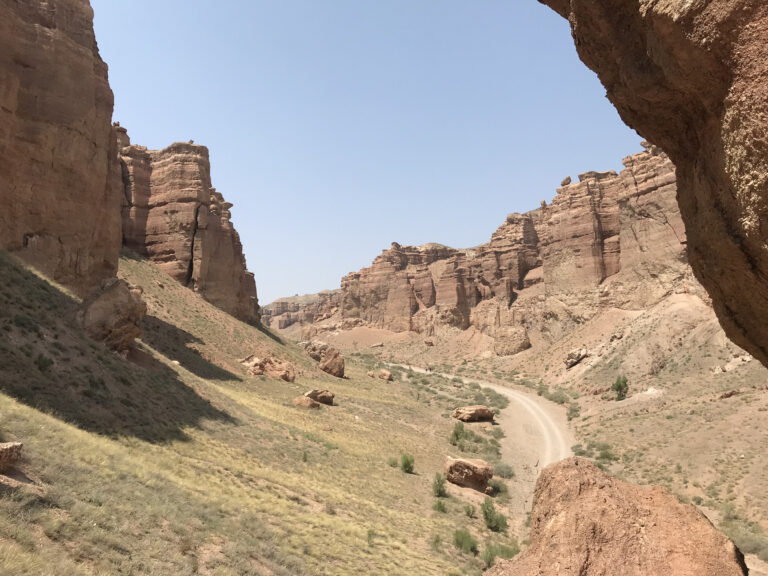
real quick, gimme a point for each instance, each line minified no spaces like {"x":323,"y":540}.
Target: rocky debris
{"x":476,"y":413}
{"x":371,"y":374}
{"x":322,"y":396}
{"x":510,"y":340}
{"x":729,"y":394}
{"x":270,"y":366}
{"x":173,"y":216}
{"x":468,"y":473}
{"x":585,"y":522}
{"x":10,"y":454}
{"x":692,"y":77}
{"x":316,"y":349}
{"x":305,"y":402}
{"x":333,"y":363}
{"x":575,"y":356}
{"x":378,"y":345}
{"x":113,"y":314}
{"x":385,"y":374}
{"x":60,"y":173}
{"x":429,"y":343}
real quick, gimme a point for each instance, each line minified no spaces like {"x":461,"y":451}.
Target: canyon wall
{"x":173,"y":216}
{"x":608,"y":240}
{"x":692,"y":77}
{"x":59,"y":172}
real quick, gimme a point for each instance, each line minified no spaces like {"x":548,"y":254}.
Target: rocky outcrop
{"x":468,"y":473}
{"x":113,"y":314}
{"x":10,"y":454}
{"x":321,"y":396}
{"x":587,"y":523}
{"x":286,"y":312}
{"x":173,"y":216}
{"x":607,"y":240}
{"x":270,"y":366}
{"x":692,"y":77}
{"x":333,"y":363}
{"x":59,"y":173}
{"x":575,"y":356}
{"x":474,"y":414}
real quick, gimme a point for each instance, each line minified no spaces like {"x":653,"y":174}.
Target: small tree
{"x":406,"y":463}
{"x":438,"y":486}
{"x":621,"y":387}
{"x":494,"y":520}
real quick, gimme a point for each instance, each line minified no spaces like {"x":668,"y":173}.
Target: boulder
{"x":270,"y":366}
{"x":316,"y":350}
{"x":585,"y":522}
{"x":575,"y":356}
{"x":476,"y":413}
{"x":322,"y":396}
{"x":371,"y":374}
{"x":333,"y":363}
{"x":305,"y":402}
{"x":511,"y":340}
{"x":10,"y":454}
{"x":385,"y":374}
{"x":113,"y":314}
{"x":468,"y":473}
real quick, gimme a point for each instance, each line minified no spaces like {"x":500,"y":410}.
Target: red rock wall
{"x":692,"y":77}
{"x":173,"y":216}
{"x":59,"y":173}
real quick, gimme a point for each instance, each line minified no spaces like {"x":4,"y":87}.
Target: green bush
{"x":621,"y":387}
{"x":439,"y":506}
{"x":469,"y":510}
{"x":457,"y":435}
{"x":493,"y":551}
{"x":464,"y":541}
{"x":494,"y":520}
{"x":438,"y":486}
{"x":498,"y":486}
{"x":43,"y":363}
{"x":504,"y":471}
{"x":406,"y":463}
{"x":574,"y":411}
{"x":392,"y":462}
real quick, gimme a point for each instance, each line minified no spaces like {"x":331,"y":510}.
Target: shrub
{"x":406,"y":463}
{"x":436,"y":543}
{"x":438,"y":486}
{"x":574,"y":411}
{"x":392,"y":462}
{"x":464,"y":541}
{"x":621,"y":387}
{"x":457,"y":435}
{"x":493,"y":551}
{"x":439,"y":506}
{"x":497,"y":486}
{"x":493,"y":519}
{"x":43,"y":363}
{"x":504,"y":471}
{"x":469,"y":510}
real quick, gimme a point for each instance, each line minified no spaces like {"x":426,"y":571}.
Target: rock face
{"x":10,"y":453}
{"x":113,"y":314}
{"x":692,"y":77}
{"x":173,"y":216}
{"x":474,"y":414}
{"x":600,"y":240}
{"x":285,"y":312}
{"x":468,"y":473}
{"x":59,"y":172}
{"x":586,"y":523}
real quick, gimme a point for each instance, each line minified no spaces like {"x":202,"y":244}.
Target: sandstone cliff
{"x":608,"y":240}
{"x":173,"y":216}
{"x":692,"y":77}
{"x":59,"y":173}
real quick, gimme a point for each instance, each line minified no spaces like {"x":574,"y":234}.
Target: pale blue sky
{"x":339,"y":126}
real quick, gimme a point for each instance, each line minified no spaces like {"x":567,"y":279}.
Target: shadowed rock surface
{"x":113,"y":314}
{"x":59,"y":172}
{"x":692,"y":77}
{"x":587,"y":523}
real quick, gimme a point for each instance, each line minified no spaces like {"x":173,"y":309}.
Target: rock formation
{"x":585,"y":522}
{"x":322,"y":396}
{"x":173,"y":216}
{"x":474,"y":414}
{"x":692,"y":77}
{"x":10,"y":454}
{"x":113,"y":314}
{"x":59,"y":172}
{"x":550,"y":269}
{"x":468,"y":473}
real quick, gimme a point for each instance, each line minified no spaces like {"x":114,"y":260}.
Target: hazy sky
{"x":339,"y":126}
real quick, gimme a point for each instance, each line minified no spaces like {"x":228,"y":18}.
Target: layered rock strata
{"x":692,"y":77}
{"x":173,"y":216}
{"x":608,"y":240}
{"x":586,"y":522}
{"x":59,"y":172}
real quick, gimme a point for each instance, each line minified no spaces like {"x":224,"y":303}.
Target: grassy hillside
{"x":174,"y":461}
